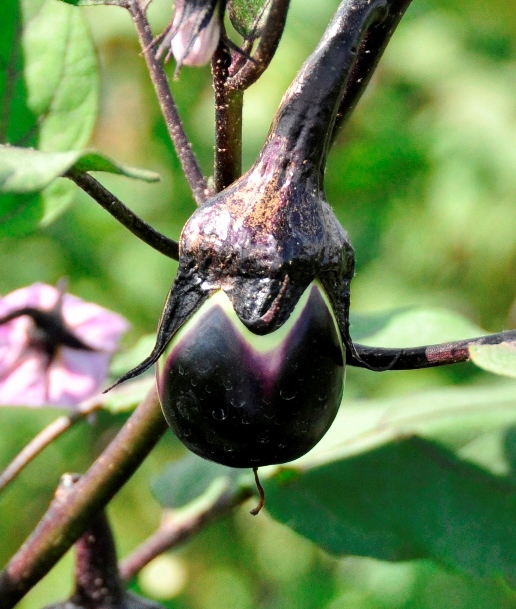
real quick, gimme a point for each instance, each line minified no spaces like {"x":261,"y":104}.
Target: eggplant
{"x":256,"y":324}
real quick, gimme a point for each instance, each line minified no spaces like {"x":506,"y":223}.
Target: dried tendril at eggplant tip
{"x":261,"y":502}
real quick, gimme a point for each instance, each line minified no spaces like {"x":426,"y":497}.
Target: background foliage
{"x":424,"y":180}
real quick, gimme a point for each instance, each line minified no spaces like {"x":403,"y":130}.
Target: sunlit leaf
{"x":24,"y":170}
{"x":127,"y":396}
{"x":414,"y":327}
{"x":92,"y":2}
{"x":500,"y":359}
{"x":48,"y":95}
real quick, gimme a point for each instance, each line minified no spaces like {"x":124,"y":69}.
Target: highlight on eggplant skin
{"x":246,"y":400}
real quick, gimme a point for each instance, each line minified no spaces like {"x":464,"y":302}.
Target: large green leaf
{"x":429,"y":475}
{"x":407,"y":499}
{"x":48,"y":95}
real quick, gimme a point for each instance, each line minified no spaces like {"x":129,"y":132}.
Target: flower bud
{"x":195,"y":31}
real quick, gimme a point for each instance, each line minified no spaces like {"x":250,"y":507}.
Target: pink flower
{"x":193,"y":34}
{"x":54,"y":348}
{"x":196,"y":35}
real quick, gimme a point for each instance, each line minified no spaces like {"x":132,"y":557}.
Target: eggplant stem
{"x":255,"y":511}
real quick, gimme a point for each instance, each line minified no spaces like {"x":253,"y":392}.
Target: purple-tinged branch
{"x":168,"y":107}
{"x":177,"y":529}
{"x":369,"y":54}
{"x":266,"y":49}
{"x":427,"y":356}
{"x":228,"y":122}
{"x":306,"y":117}
{"x":66,"y":519}
{"x":124,"y":215}
{"x":43,"y":439}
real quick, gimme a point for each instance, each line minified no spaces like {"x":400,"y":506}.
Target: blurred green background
{"x":424,"y":180}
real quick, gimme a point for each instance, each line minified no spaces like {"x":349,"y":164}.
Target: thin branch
{"x":66,"y":519}
{"x":369,"y":54}
{"x":427,"y":356}
{"x":262,"y":57}
{"x":168,"y":107}
{"x":228,"y":122}
{"x":124,"y":215}
{"x":177,"y":529}
{"x":43,"y":439}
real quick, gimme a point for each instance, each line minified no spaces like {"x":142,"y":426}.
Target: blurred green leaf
{"x":248,"y":16}
{"x":24,"y":170}
{"x":410,"y":478}
{"x":189,"y":478}
{"x":500,"y":359}
{"x":48,"y":95}
{"x":130,"y":358}
{"x":127,"y":396}
{"x":91,"y":2}
{"x":415,"y":327}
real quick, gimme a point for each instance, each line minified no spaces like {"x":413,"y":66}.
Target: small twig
{"x":261,"y":502}
{"x":177,"y":529}
{"x":168,"y":107}
{"x":43,"y":439}
{"x":66,"y":520}
{"x":124,"y":215}
{"x":262,"y":57}
{"x":427,"y":356}
{"x":228,"y":122}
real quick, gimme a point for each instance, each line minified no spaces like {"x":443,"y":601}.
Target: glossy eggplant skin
{"x":245,"y":400}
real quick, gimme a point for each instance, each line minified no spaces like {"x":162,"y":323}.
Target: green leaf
{"x":248,"y":16}
{"x":24,"y":170}
{"x":413,"y":327}
{"x":130,"y":358}
{"x":423,"y":476}
{"x":127,"y":396}
{"x":48,"y":96}
{"x":189,"y":478}
{"x":405,"y":500}
{"x":92,"y":2}
{"x":500,"y":359}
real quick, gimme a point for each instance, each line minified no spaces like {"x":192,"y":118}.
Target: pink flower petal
{"x":28,"y":378}
{"x":203,"y":47}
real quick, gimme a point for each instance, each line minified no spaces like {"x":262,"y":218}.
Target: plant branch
{"x":262,"y":57}
{"x":168,"y":107}
{"x":228,"y":122}
{"x":427,"y":356}
{"x":178,"y":528}
{"x":45,"y":437}
{"x":124,"y":215}
{"x":369,"y":54}
{"x":67,"y":518}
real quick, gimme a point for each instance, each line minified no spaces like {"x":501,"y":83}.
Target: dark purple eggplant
{"x":257,"y":320}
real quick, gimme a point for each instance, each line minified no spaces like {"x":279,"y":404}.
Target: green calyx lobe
{"x":248,"y":400}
